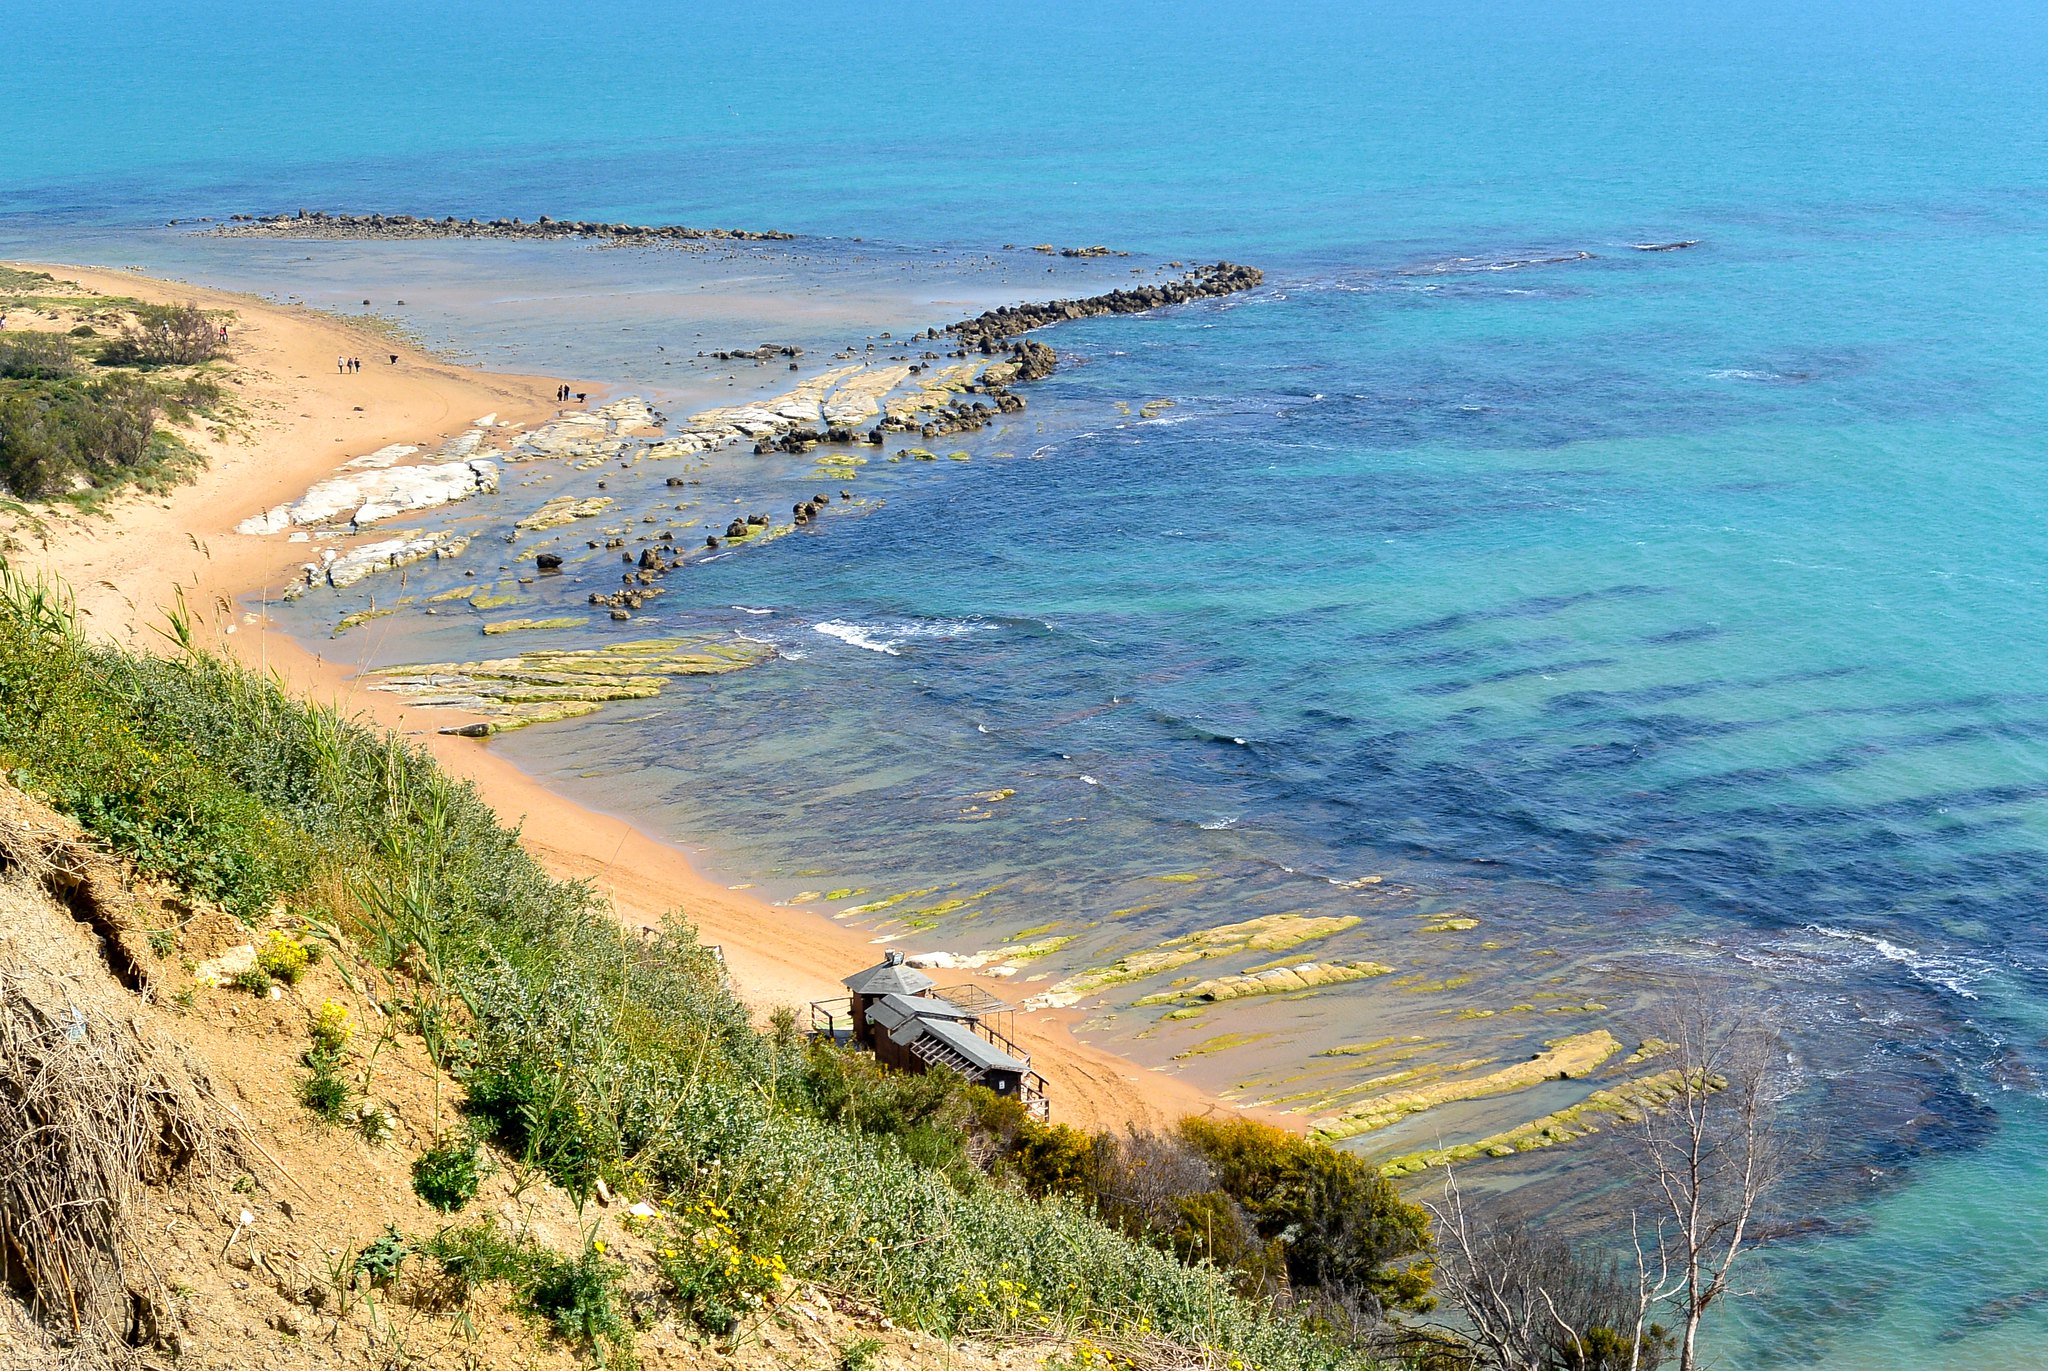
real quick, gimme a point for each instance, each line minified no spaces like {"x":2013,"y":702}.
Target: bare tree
{"x":1534,"y":1303}
{"x":1709,"y":1157}
{"x":1712,"y":1157}
{"x":166,"y":335}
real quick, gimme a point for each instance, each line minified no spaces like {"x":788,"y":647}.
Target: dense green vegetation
{"x":83,"y":412}
{"x":627,"y":1063}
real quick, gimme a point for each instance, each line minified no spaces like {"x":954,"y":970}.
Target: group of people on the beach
{"x":563,"y":395}
{"x":348,"y":364}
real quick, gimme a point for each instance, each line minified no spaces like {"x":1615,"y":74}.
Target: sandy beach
{"x":304,"y":418}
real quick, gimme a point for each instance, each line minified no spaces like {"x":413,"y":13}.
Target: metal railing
{"x":832,"y":1019}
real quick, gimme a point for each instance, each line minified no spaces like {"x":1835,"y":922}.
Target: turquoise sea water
{"x":1672,"y":613}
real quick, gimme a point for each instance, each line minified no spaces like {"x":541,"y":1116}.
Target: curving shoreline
{"x":128,"y":567}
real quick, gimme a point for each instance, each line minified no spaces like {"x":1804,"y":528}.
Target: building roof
{"x":893,"y":1011}
{"x":909,"y":1018}
{"x":985,"y":1055}
{"x":893,"y":976}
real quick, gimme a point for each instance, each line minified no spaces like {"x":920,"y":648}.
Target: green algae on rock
{"x":543,"y":685}
{"x":1561,"y":1059}
{"x":1222,"y":1042}
{"x":563,"y":509}
{"x":1267,"y":933}
{"x":1377,"y":1045}
{"x":890,"y":901}
{"x":531,"y":625}
{"x":363,"y":616}
{"x":1628,"y":1102}
{"x":1277,"y":980}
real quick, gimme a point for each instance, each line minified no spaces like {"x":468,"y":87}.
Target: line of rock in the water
{"x":1096,"y":251}
{"x":989,"y":330}
{"x":960,"y":418}
{"x":318,"y":224}
{"x":767,"y":352}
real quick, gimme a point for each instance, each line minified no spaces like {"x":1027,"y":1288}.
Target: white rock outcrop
{"x":369,"y":496}
{"x":341,"y":570}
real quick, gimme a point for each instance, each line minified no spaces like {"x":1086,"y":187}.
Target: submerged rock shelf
{"x":544,"y":685}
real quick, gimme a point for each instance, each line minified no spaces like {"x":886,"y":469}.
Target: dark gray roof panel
{"x":891,"y":1010}
{"x":985,"y":1055}
{"x":889,"y":978}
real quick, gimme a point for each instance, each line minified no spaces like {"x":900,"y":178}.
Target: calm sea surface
{"x":1672,"y":614}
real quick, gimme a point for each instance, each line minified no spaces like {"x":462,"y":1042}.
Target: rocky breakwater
{"x":997,"y":334}
{"x":318,"y":224}
{"x":991,"y":330}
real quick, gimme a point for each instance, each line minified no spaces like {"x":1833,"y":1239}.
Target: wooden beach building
{"x":900,"y":1014}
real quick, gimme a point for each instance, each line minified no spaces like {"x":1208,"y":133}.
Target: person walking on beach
{"x":341,"y":364}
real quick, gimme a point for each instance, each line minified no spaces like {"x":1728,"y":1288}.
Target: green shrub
{"x":56,"y":434}
{"x":325,"y":1093}
{"x":714,"y":1280}
{"x":36,"y":357}
{"x":381,"y":1260}
{"x":1056,"y":1160}
{"x":323,"y":1089}
{"x":166,"y":335}
{"x":479,"y":1254}
{"x":253,"y":980}
{"x":579,"y":1296}
{"x":446,"y":1175}
{"x":1345,"y":1229}
{"x":925,"y":1117}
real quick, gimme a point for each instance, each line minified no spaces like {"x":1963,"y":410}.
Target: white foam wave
{"x":748,"y":609}
{"x":1943,"y":973}
{"x":1086,"y":779}
{"x":1738,"y":374}
{"x":892,"y":638}
{"x":1218,"y":825}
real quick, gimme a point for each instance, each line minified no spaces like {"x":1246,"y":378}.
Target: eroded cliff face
{"x":166,"y":1199}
